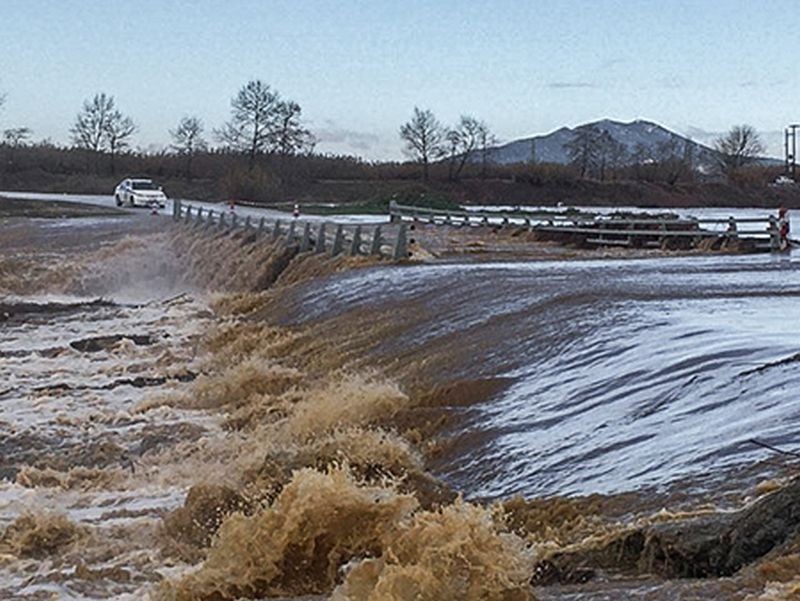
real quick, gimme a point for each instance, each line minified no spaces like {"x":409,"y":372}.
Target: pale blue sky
{"x":358,"y":68}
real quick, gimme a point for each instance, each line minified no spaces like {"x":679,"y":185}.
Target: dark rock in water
{"x":696,"y":548}
{"x":146,"y":381}
{"x":546,"y":573}
{"x":17,"y":310}
{"x":102,"y":343}
{"x":708,"y":546}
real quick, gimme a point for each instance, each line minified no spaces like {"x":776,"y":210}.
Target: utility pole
{"x":790,"y":156}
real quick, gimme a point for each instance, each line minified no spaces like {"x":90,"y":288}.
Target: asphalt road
{"x":241,"y":210}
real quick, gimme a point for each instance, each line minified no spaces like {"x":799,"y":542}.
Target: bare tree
{"x":532,"y":159}
{"x":100,"y":127}
{"x":688,"y":155}
{"x":289,"y":136}
{"x":423,"y":136}
{"x":583,"y":149}
{"x":486,"y":140}
{"x":672,"y":160}
{"x":187,"y":140}
{"x":468,"y":133}
{"x":118,"y":132}
{"x":739,"y":147}
{"x":17,"y":136}
{"x":610,"y":154}
{"x":90,"y":126}
{"x":14,"y":138}
{"x":254,"y":114}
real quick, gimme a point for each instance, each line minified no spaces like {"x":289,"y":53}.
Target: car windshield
{"x":143,"y":185}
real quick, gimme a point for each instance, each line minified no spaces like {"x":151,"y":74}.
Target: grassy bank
{"x":17,"y":207}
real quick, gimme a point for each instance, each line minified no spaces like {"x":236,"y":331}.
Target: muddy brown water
{"x":644,"y":377}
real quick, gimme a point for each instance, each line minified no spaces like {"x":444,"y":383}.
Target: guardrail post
{"x":375,"y":247}
{"x":319,"y":245}
{"x":338,"y":241}
{"x":305,"y":242}
{"x":188,"y":214}
{"x":774,"y":234}
{"x":290,"y":234}
{"x":394,"y":212}
{"x":485,"y":220}
{"x":198,"y":218}
{"x":401,"y":245}
{"x":262,"y":224}
{"x":176,"y":209}
{"x":221,"y":220}
{"x":733,"y":230}
{"x":355,"y":247}
{"x":209,"y":219}
{"x":233,"y":221}
{"x":505,"y":220}
{"x":247,"y":223}
{"x":276,"y":230}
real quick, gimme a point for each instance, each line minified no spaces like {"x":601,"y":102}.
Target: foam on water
{"x":279,"y":440}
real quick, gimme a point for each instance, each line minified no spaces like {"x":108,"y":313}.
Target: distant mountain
{"x":636,"y":135}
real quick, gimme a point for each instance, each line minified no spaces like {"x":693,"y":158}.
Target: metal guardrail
{"x":318,"y":237}
{"x":761,"y":233}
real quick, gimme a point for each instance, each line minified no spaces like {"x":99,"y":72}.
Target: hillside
{"x":636,"y":135}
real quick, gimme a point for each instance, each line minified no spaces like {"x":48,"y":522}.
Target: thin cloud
{"x":565,"y":85}
{"x":356,"y":140}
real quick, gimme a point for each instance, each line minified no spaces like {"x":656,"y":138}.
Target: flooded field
{"x":194,"y":416}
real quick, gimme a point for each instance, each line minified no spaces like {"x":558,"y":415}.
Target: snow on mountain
{"x":640,"y":134}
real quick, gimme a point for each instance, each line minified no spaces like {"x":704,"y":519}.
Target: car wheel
{"x":118,"y":200}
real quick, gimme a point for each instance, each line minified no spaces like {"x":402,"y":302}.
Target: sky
{"x":358,"y":68}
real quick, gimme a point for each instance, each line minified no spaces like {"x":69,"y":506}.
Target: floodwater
{"x":626,"y":374}
{"x":646,"y":375}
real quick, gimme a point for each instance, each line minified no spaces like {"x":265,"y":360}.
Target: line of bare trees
{"x":593,"y":152}
{"x":261,"y":123}
{"x":427,"y":141}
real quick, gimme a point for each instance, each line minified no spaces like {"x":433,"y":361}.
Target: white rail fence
{"x":758,"y":233}
{"x":319,"y":237}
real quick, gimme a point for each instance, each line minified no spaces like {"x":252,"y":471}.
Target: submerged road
{"x":627,"y":374}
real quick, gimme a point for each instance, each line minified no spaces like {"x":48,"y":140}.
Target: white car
{"x":139,"y":193}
